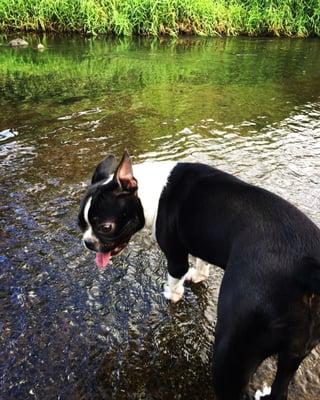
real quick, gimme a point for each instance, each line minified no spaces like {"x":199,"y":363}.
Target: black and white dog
{"x":269,"y":301}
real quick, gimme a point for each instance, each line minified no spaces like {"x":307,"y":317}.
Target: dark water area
{"x":68,"y":331}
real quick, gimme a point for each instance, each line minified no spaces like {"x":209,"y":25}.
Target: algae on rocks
{"x":18,"y":43}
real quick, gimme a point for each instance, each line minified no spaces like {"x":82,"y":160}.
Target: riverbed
{"x":68,"y":331}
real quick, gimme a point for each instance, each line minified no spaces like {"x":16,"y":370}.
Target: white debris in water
{"x":7,"y":134}
{"x":186,"y":131}
{"x":80,"y":113}
{"x":32,"y":294}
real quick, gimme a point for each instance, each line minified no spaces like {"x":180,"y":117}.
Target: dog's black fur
{"x":269,"y":301}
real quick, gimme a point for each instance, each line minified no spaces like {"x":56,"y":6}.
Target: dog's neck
{"x":152,"y":177}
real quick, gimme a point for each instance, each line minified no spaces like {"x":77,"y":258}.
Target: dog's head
{"x":110,"y":212}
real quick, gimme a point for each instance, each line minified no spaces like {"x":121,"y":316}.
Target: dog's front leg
{"x":177,"y":271}
{"x":174,"y":289}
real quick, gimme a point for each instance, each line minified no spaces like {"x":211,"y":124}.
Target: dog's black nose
{"x":90,"y":245}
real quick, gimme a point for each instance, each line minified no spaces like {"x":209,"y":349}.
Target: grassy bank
{"x":172,"y":17}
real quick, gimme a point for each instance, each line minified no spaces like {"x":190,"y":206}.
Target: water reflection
{"x":250,"y":107}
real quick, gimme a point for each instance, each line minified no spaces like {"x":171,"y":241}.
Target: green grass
{"x":170,"y":17}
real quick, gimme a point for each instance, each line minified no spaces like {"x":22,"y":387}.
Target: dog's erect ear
{"x":124,"y":174}
{"x":104,"y":169}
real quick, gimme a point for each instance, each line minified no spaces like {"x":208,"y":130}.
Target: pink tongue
{"x":102,"y":260}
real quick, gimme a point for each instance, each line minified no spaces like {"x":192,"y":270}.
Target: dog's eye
{"x":108,"y":227}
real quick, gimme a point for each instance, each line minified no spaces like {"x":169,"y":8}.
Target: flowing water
{"x":68,"y":331}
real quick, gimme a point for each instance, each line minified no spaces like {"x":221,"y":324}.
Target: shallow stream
{"x":249,"y":106}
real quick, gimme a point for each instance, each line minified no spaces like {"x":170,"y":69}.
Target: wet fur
{"x":269,"y":298}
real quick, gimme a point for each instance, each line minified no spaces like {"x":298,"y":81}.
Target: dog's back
{"x":269,"y":299}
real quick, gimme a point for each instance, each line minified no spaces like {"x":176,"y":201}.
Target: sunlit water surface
{"x":251,"y":107}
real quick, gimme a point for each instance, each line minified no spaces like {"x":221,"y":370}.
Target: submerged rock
{"x":40,"y":47}
{"x":18,"y":43}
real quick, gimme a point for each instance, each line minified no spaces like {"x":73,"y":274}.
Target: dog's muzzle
{"x":91,"y":245}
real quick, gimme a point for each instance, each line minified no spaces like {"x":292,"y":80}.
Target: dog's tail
{"x":308,"y":275}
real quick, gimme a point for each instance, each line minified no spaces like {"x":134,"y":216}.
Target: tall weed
{"x":159,"y":17}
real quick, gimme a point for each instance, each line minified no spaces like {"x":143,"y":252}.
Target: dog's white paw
{"x":195,"y":276}
{"x":190,"y":274}
{"x":173,"y":295}
{"x":265,"y":392}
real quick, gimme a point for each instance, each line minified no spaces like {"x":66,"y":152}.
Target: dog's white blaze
{"x":152,"y":177}
{"x":86,"y":210}
{"x":107,"y":180}
{"x":88,"y":234}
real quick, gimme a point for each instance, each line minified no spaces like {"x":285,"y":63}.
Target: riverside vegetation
{"x":299,"y":18}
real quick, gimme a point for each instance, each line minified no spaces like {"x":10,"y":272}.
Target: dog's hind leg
{"x":200,"y":273}
{"x":240,"y":340}
{"x":301,"y":334}
{"x":234,"y":363}
{"x":287,"y":367}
